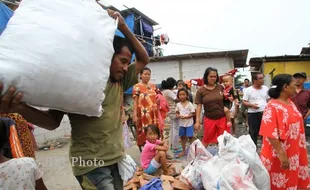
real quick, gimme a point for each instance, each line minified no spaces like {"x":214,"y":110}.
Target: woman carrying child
{"x":185,"y":112}
{"x":154,"y":153}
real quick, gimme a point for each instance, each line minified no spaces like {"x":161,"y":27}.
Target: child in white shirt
{"x":185,"y":112}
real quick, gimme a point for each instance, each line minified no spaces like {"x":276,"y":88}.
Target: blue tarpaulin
{"x":130,"y":21}
{"x":307,"y":85}
{"x":129,"y":91}
{"x":5,"y":14}
{"x":147,"y":28}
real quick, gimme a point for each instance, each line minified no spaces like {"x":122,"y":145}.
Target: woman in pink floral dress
{"x":284,"y":151}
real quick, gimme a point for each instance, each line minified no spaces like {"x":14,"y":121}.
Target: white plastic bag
{"x":212,"y":177}
{"x":244,"y":149}
{"x":191,"y":174}
{"x":126,"y":168}
{"x":197,"y":150}
{"x":58,"y":54}
{"x":222,"y":175}
{"x":197,"y":156}
{"x":126,"y":136}
{"x":248,"y":150}
{"x":239,"y":175}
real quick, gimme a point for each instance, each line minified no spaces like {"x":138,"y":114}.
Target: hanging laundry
{"x":161,"y":53}
{"x":147,"y":28}
{"x":157,"y":40}
{"x":5,"y":14}
{"x":164,"y":39}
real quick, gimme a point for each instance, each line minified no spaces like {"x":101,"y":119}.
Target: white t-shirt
{"x":175,"y":91}
{"x":185,"y":111}
{"x":19,"y":174}
{"x":254,"y":96}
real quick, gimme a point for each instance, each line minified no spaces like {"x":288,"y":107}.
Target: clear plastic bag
{"x":197,"y":156}
{"x":127,"y":168}
{"x":197,"y":149}
{"x":126,"y":136}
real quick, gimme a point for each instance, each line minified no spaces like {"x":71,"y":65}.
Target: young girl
{"x":185,"y":112}
{"x":154,"y":152}
{"x":181,"y":84}
{"x":18,"y":173}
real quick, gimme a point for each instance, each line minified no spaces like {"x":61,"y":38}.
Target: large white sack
{"x":191,"y":174}
{"x":221,"y":174}
{"x":58,"y":53}
{"x":244,"y":149}
{"x":212,"y":176}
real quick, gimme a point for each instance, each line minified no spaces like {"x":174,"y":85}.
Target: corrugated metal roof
{"x":257,"y":62}
{"x":305,"y":51}
{"x":239,"y":57}
{"x":134,"y":10}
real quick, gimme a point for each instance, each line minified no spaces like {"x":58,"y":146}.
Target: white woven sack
{"x":58,"y":53}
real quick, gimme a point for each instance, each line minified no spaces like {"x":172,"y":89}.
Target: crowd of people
{"x":276,"y":113}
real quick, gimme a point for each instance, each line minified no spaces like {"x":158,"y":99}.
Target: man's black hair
{"x":254,"y":76}
{"x":4,"y":139}
{"x":119,"y":43}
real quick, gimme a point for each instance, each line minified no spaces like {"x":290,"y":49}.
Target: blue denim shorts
{"x":186,"y":131}
{"x":153,"y":167}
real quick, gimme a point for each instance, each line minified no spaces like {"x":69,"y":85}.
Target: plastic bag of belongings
{"x":237,"y":166}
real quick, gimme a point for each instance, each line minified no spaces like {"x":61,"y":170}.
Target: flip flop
{"x":169,"y":157}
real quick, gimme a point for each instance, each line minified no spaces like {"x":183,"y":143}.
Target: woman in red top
{"x":284,"y":152}
{"x":145,"y":106}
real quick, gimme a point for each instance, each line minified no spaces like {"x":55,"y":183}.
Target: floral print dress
{"x":19,"y":173}
{"x":147,"y":109}
{"x":284,"y":122}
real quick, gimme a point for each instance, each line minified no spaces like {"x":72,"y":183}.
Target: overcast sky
{"x":265,"y":27}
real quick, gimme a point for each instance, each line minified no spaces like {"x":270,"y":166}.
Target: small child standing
{"x":185,"y":112}
{"x":154,"y":153}
{"x":17,"y":173}
{"x":230,"y":101}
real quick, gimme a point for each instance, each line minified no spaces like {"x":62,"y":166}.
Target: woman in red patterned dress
{"x":284,"y":152}
{"x":145,"y":107}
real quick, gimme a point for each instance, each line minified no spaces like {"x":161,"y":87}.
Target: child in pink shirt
{"x":154,"y":153}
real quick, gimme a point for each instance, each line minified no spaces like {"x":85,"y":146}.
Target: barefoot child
{"x":229,"y":100}
{"x":17,"y":173}
{"x":154,"y":152}
{"x":185,"y":112}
